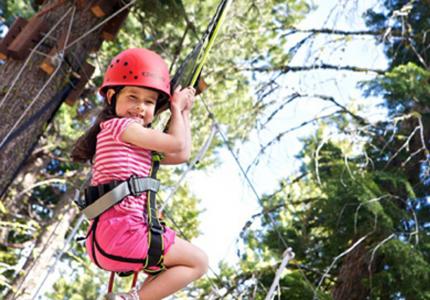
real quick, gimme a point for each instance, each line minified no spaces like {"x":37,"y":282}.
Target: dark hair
{"x":85,"y":147}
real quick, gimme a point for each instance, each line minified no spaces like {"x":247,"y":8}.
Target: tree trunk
{"x":47,"y":245}
{"x":18,"y":139}
{"x":354,"y":269}
{"x":23,"y":122}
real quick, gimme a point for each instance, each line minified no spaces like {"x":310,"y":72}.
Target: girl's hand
{"x":190,"y":100}
{"x":183,"y":98}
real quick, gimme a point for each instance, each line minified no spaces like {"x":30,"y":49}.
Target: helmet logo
{"x":153,"y":75}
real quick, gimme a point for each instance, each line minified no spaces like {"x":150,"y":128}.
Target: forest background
{"x":351,"y":197}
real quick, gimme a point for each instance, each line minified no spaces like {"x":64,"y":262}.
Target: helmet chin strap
{"x":114,"y":98}
{"x":113,"y":104}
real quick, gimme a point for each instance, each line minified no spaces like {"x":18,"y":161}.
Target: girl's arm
{"x":184,"y":155}
{"x":173,"y":141}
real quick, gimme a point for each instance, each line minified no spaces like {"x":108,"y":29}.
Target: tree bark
{"x":354,"y":269}
{"x":17,"y":143}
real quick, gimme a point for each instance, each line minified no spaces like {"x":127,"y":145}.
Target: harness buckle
{"x":156,"y":229}
{"x":133,"y":186}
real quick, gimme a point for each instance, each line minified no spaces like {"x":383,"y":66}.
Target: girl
{"x":120,"y":146}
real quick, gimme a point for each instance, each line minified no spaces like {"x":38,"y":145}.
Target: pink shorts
{"x":124,"y":235}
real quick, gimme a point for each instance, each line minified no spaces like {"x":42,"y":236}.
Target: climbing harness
{"x":100,"y":198}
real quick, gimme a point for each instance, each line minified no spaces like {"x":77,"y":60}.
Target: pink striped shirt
{"x":117,"y":160}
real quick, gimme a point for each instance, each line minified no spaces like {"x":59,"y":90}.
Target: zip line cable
{"x":195,"y":161}
{"x":214,"y":26}
{"x":251,"y":185}
{"x":288,"y":253}
{"x":100,"y":24}
{"x":189,"y":71}
{"x":210,"y":35}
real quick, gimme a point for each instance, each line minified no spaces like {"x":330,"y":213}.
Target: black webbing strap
{"x":100,"y":250}
{"x":156,"y":229}
{"x":93,"y":247}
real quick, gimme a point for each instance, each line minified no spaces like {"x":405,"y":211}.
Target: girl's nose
{"x":141,"y":107}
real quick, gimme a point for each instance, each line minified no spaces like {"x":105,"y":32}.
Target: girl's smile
{"x":135,"y":102}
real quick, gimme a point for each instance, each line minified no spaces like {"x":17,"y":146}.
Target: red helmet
{"x":137,"y":67}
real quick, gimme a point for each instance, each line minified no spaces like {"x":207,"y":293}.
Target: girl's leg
{"x":185,"y":263}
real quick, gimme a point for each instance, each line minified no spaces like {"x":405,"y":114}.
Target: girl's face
{"x":135,"y":102}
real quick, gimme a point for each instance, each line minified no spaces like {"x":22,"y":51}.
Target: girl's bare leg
{"x":185,"y":263}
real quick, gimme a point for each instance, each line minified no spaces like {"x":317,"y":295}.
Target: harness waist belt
{"x":134,"y":186}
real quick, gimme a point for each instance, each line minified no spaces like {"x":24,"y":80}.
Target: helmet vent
{"x":137,"y":67}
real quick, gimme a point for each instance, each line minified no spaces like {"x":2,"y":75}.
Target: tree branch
{"x":281,"y":135}
{"x":296,"y":95}
{"x":322,"y":66}
{"x":381,"y":32}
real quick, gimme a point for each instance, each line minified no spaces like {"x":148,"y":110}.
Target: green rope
{"x":210,"y":43}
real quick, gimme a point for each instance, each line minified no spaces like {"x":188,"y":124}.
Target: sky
{"x":226,"y":212}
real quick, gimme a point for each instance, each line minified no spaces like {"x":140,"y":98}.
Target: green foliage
{"x":182,"y":213}
{"x":356,"y":187}
{"x":80,"y":286}
{"x":404,"y":269}
{"x":406,"y":88}
{"x":10,"y":9}
{"x":295,"y":288}
{"x":353,"y":186}
{"x":365,"y":203}
{"x":409,"y":21}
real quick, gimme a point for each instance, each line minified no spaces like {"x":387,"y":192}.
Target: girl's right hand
{"x":181,"y":97}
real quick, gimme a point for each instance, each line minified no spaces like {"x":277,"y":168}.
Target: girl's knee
{"x":185,"y":254}
{"x":201,"y":262}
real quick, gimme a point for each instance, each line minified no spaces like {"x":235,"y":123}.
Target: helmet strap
{"x":113,"y":103}
{"x":113,"y":99}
